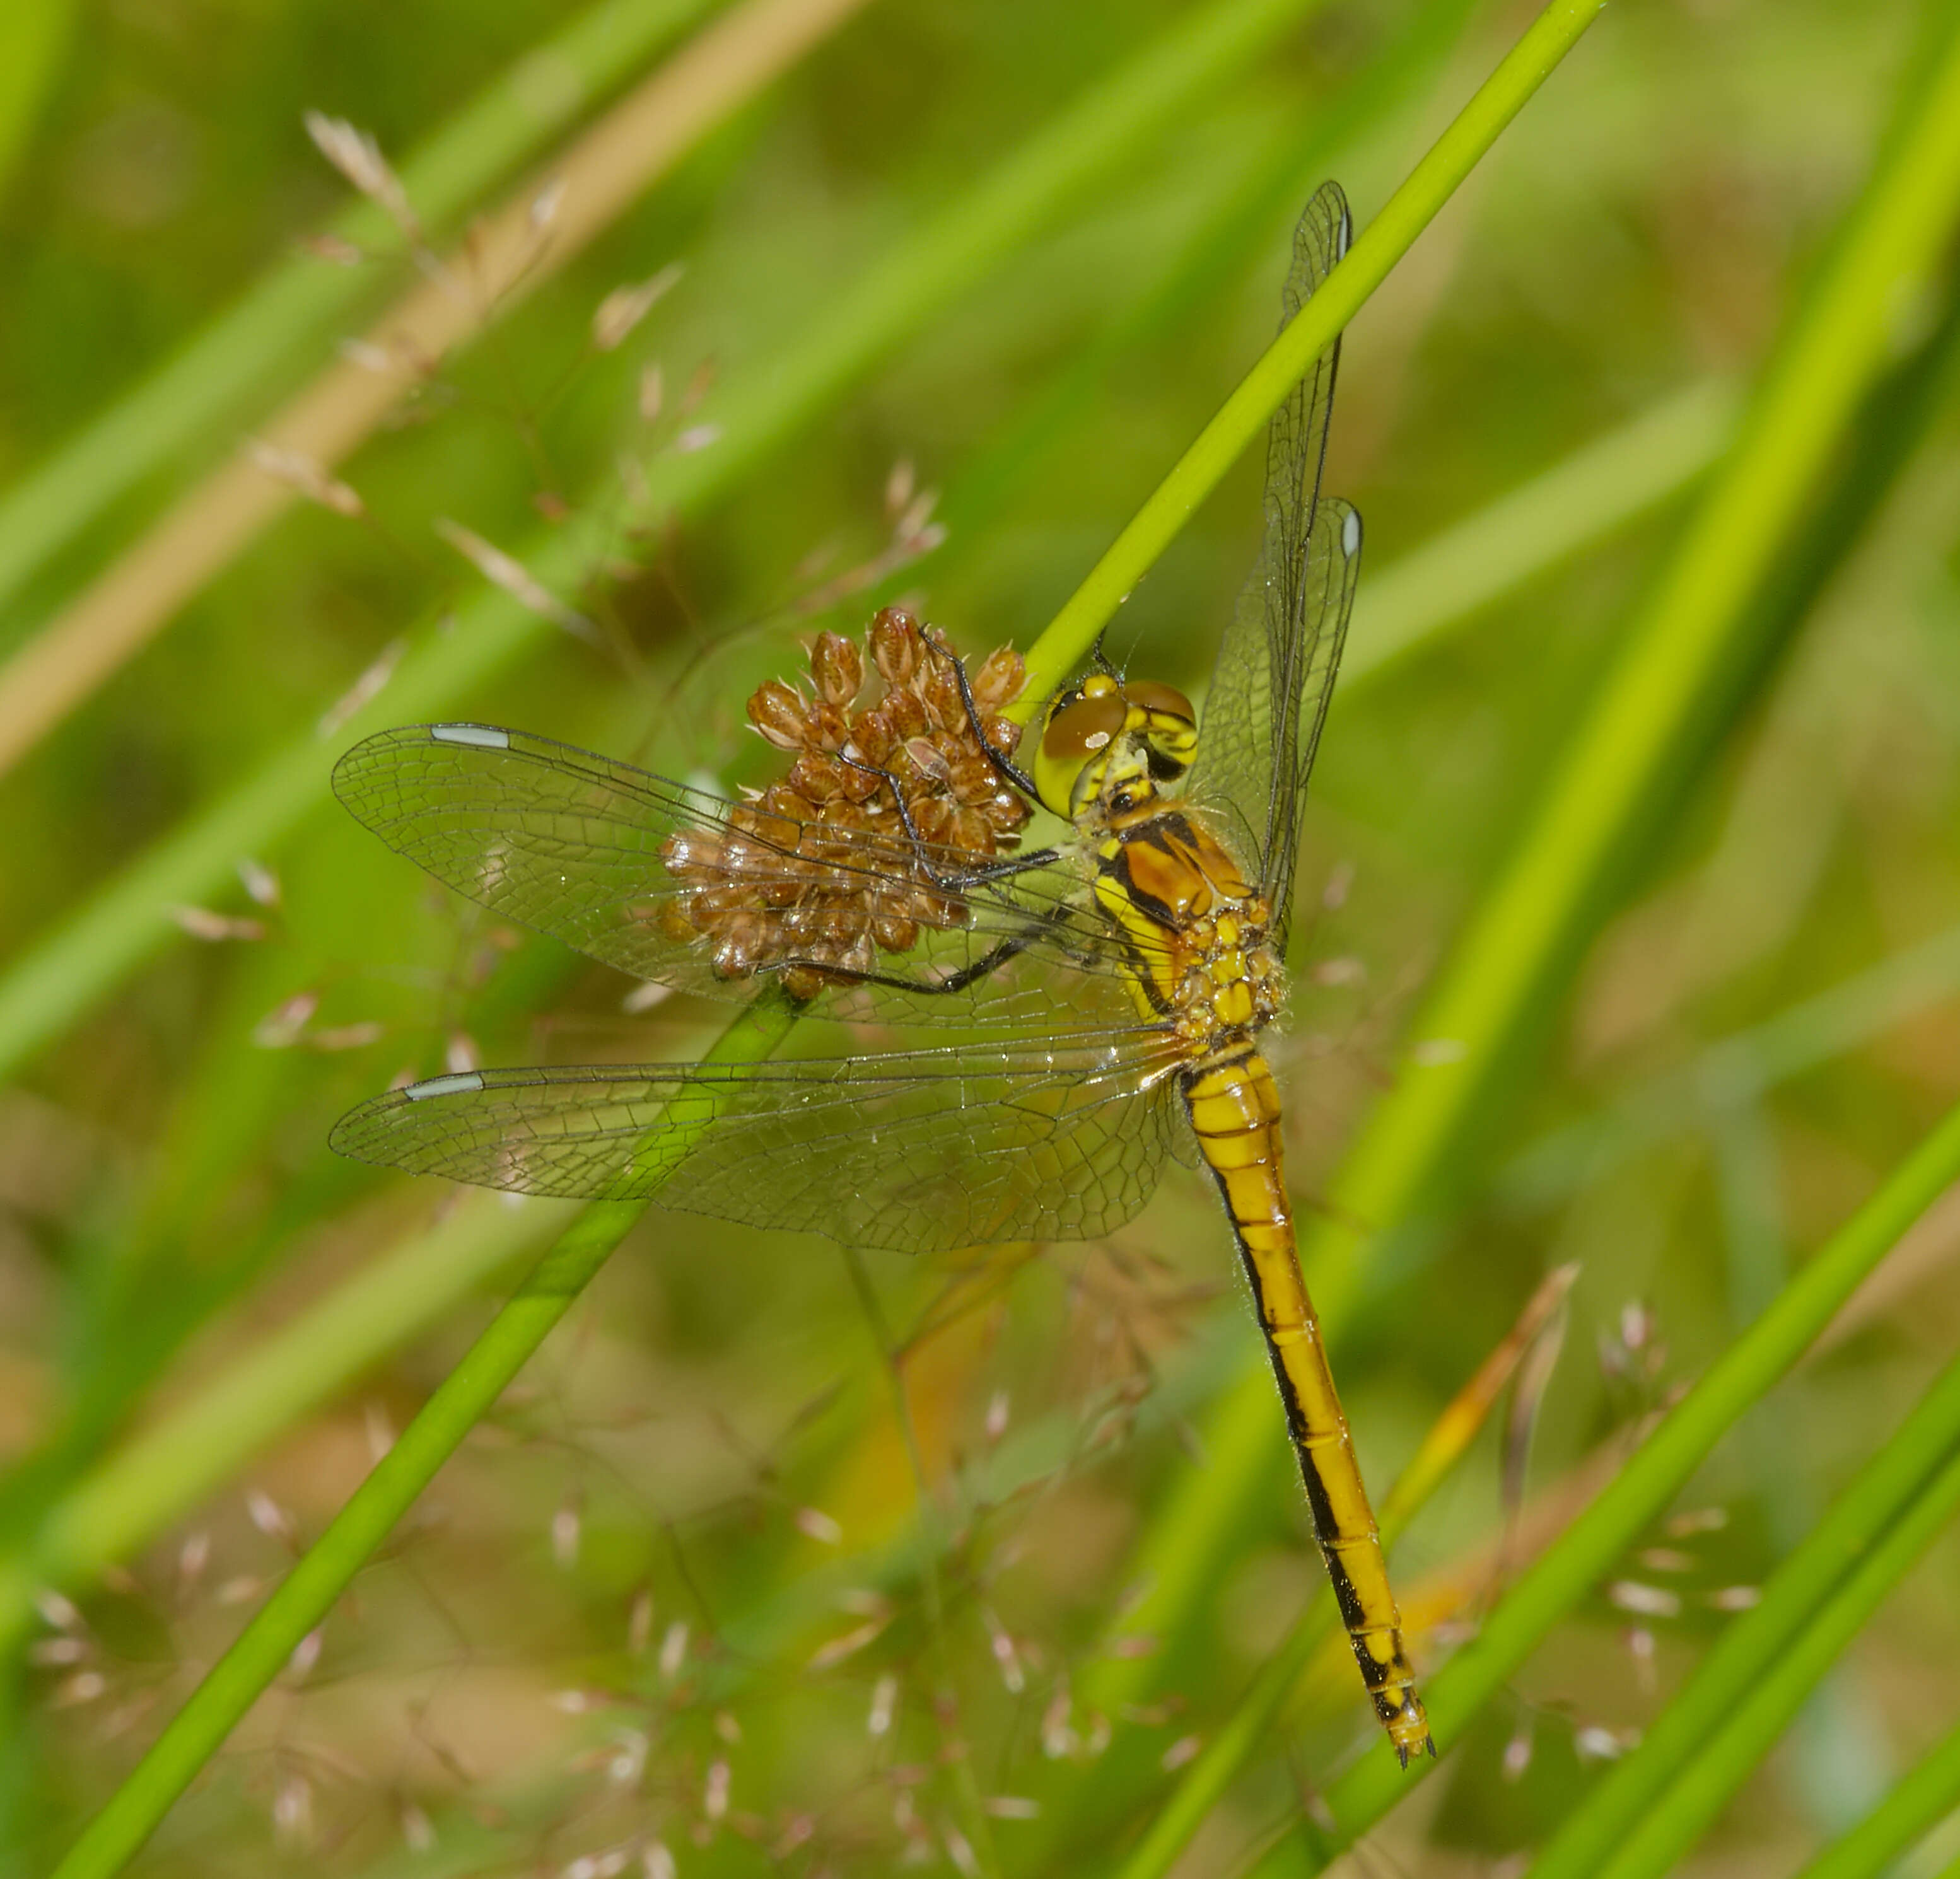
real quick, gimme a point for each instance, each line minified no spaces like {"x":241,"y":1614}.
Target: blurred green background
{"x":667,"y":1605}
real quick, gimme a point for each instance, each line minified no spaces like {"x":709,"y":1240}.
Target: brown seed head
{"x":818,"y":875}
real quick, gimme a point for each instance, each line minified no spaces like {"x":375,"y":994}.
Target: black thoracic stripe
{"x":1142,"y":976}
{"x":1116,"y":868}
{"x":1157,"y":831}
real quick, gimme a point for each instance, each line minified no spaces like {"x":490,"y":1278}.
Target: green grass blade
{"x":1065,"y":642}
{"x":1752,"y":1646}
{"x":1659,"y":1470}
{"x":1690,"y":1807}
{"x":1914,"y":1806}
{"x":308,"y":1593}
{"x":245,"y":354}
{"x":136,"y":1492}
{"x":1740,"y":1068}
{"x":34,"y":41}
{"x":62,"y":975}
{"x":1606,"y":486}
{"x":1692,"y":636}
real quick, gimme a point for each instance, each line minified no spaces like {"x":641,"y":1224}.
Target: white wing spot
{"x":483,"y":736}
{"x":1351,"y":534}
{"x":457,"y":1083}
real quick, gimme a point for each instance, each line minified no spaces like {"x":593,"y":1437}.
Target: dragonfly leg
{"x":891,"y":782}
{"x":1004,"y":870}
{"x":957,"y":881}
{"x":1004,"y":767}
{"x":989,"y":963}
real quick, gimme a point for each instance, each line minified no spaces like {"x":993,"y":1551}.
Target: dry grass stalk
{"x":503,"y":257}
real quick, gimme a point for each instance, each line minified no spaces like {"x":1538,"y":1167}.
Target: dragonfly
{"x":1052,"y":1024}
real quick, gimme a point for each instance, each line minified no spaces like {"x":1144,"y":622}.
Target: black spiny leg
{"x":989,"y":963}
{"x":958,"y":882}
{"x":1003,"y":766}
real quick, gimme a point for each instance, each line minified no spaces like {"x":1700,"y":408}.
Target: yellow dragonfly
{"x":1103,"y":998}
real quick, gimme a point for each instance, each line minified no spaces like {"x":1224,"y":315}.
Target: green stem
{"x":1690,"y":1807}
{"x":307,"y":1594}
{"x":137,"y":1492}
{"x":1914,"y":1806}
{"x":1658,"y":1470}
{"x":1752,"y":1648}
{"x":1066,"y":639}
{"x":242,"y":356}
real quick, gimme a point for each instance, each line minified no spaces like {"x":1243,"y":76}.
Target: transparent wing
{"x":915,"y":1150}
{"x":1277,"y":664}
{"x":1328,"y":576}
{"x":578,"y":846}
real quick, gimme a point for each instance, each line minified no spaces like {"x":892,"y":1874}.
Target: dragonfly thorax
{"x":1232,"y":980}
{"x":1109,"y":744}
{"x":1200,"y":930}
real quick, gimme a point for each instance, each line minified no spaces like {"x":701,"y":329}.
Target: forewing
{"x":917,"y":1151}
{"x":577,"y":845}
{"x":1329,"y":573}
{"x":1278,"y":660}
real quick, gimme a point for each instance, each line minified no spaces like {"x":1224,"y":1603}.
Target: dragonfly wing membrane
{"x":556,"y":838}
{"x":574,"y":844}
{"x":916,"y":1151}
{"x":1329,"y":572}
{"x":1277,"y":649}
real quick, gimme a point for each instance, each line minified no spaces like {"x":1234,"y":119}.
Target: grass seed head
{"x":820,"y":869}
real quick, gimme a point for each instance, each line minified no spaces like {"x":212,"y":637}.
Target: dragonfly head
{"x":1115,"y":740}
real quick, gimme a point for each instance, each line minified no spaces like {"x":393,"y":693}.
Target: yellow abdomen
{"x":1234,"y":1110}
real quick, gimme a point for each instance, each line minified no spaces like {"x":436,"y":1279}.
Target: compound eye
{"x":1082,"y":727}
{"x":1159,"y":700}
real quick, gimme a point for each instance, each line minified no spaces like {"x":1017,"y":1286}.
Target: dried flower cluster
{"x":820,"y":869}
